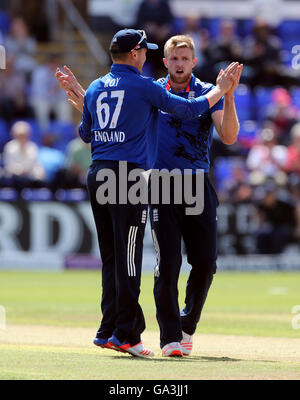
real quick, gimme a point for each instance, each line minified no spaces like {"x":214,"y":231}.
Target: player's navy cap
{"x":127,"y":40}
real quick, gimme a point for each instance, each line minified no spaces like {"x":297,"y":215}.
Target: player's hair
{"x":115,"y":53}
{"x":179,"y":41}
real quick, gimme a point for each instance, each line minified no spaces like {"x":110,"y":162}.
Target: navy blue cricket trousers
{"x":169,"y":225}
{"x":120,"y":229}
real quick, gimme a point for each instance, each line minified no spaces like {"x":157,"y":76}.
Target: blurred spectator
{"x":226,"y":47}
{"x":271,"y":11}
{"x":22,"y":47}
{"x":266,"y":159}
{"x":13,"y":103}
{"x":46,"y":97}
{"x":292,"y":164}
{"x":51,"y":159}
{"x":295,"y":191}
{"x":238,"y":188}
{"x":155,"y":17}
{"x":282,"y":113}
{"x":262,"y":55}
{"x":78,"y":160}
{"x":124,"y":12}
{"x":36,"y":16}
{"x":277,"y":221}
{"x":20,"y":158}
{"x":201,"y":38}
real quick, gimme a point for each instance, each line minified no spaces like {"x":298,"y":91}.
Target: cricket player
{"x":187,"y":148}
{"x":123,"y":321}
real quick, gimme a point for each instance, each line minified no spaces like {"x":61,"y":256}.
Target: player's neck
{"x":180,"y":87}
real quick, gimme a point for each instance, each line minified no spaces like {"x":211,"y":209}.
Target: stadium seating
{"x":4,"y":22}
{"x":262,"y":98}
{"x":72,"y":195}
{"x":247,"y":133}
{"x":289,"y":29}
{"x":295,"y":93}
{"x":63,"y":132}
{"x":244,"y":103}
{"x":42,"y":194}
{"x":8,"y":194}
{"x":223,"y":168}
{"x":4,"y":134}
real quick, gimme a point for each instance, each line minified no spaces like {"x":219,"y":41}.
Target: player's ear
{"x":132,"y":55}
{"x":195,"y":61}
{"x":165,"y":62}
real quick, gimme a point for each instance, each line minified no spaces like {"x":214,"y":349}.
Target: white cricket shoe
{"x":186,"y":344}
{"x":172,"y":350}
{"x":139,"y":350}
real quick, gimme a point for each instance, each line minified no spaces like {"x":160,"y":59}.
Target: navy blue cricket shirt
{"x":188,"y":141}
{"x":119,"y":107}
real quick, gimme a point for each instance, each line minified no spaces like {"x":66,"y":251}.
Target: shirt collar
{"x":187,"y":90}
{"x":124,"y":68}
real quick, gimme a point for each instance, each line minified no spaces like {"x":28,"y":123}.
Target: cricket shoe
{"x":186,"y":344}
{"x":104,"y":344}
{"x":138,"y":350}
{"x":172,"y":350}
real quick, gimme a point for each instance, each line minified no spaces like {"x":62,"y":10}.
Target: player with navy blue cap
{"x":116,"y":112}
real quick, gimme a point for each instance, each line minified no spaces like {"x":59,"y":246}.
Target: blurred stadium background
{"x":45,"y":219}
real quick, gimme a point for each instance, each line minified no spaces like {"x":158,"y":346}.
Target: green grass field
{"x":245,"y":331}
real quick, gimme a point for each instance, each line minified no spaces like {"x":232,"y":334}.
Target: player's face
{"x":180,"y":63}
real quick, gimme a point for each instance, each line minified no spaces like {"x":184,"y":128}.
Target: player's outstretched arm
{"x":69,"y":83}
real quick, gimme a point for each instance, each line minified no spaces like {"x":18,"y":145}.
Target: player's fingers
{"x":59,"y":75}
{"x":232,"y":77}
{"x":64,"y":84}
{"x":73,"y":103}
{"x":72,"y":95}
{"x":76,"y":105}
{"x":220,"y":73}
{"x":240,"y":70}
{"x":237,"y":75}
{"x":69,"y":72}
{"x":232,"y":67}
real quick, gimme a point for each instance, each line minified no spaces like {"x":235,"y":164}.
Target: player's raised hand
{"x":236,"y":76}
{"x":76,"y":100}
{"x":225,"y":78}
{"x":68,"y":81}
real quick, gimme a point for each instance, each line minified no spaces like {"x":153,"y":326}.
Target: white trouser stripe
{"x":128,"y":250}
{"x":157,"y":249}
{"x":131,"y":250}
